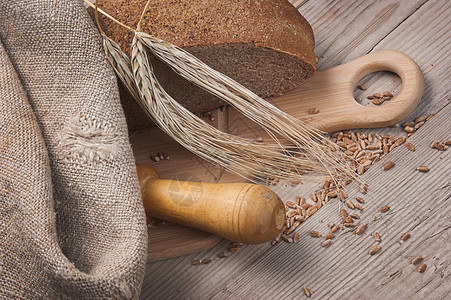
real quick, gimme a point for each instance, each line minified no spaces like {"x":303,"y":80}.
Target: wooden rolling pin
{"x":242,"y":212}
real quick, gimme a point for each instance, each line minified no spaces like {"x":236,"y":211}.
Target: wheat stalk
{"x":236,"y":154}
{"x":274,"y":121}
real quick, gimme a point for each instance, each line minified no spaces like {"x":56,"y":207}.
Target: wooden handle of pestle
{"x":242,"y":212}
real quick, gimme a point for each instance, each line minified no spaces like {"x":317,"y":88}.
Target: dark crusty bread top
{"x":266,"y":45}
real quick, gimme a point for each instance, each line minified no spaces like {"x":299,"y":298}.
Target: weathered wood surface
{"x":419,"y":201}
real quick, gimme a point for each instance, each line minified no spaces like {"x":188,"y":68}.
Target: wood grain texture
{"x":171,"y":240}
{"x":419,"y":202}
{"x":331,"y":92}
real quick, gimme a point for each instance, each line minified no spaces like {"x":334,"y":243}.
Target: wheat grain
{"x":374,"y":250}
{"x":422,"y":268}
{"x":417,"y":259}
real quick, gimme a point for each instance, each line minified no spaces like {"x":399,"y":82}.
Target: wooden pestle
{"x":242,"y":212}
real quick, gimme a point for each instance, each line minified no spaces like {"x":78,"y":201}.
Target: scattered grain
{"x":384,"y":208}
{"x":417,"y":259}
{"x":354,"y":216}
{"x":332,"y":194}
{"x":233,"y":249}
{"x":433,"y":144}
{"x":350,"y":204}
{"x":409,"y":129}
{"x":440,"y":147}
{"x":387,"y":94}
{"x":196,"y":262}
{"x":447,"y":143}
{"x":334,"y":229}
{"x":287,"y":239}
{"x":388,"y":165}
{"x":206,"y":261}
{"x":348,"y":220}
{"x":377,"y":237}
{"x":344,"y":213}
{"x":223,"y":255}
{"x":314,"y":233}
{"x":326,"y":243}
{"x":374,"y":250}
{"x":422,"y":268}
{"x":313,"y":197}
{"x":378,"y":101}
{"x":305,"y":205}
{"x":360,"y":229}
{"x":405,"y":236}
{"x":293,"y":227}
{"x":358,"y":207}
{"x":410,"y":147}
{"x":418,"y":125}
{"x":361,"y":87}
{"x":360,"y":169}
{"x":349,"y":224}
{"x":296,"y":237}
{"x":423,"y":168}
{"x":307,"y":292}
{"x":290,"y":204}
{"x":329,"y":236}
{"x":155,"y":157}
{"x":291,"y":213}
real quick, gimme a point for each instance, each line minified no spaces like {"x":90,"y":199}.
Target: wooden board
{"x":170,"y":240}
{"x":419,"y":28}
{"x":331,"y":91}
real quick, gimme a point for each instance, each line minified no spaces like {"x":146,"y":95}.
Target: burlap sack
{"x":72,"y":223}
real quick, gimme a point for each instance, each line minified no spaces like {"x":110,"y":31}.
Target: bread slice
{"x":266,"y":45}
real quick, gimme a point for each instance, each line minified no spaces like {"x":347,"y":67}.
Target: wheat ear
{"x":274,"y":121}
{"x":236,"y":154}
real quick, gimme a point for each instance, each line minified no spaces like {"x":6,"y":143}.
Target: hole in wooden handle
{"x":400,"y":106}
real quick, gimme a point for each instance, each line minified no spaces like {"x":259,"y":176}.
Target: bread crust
{"x":266,"y":45}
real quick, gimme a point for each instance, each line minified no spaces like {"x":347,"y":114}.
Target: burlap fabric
{"x":72,"y":223}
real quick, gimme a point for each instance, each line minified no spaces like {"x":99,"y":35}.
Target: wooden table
{"x":419,"y":202}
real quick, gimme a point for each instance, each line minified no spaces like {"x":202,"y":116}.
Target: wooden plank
{"x":418,"y":204}
{"x":171,"y":240}
{"x":176,"y":278}
{"x":426,"y":39}
{"x":331,"y":92}
{"x":377,"y":25}
{"x":344,"y":30}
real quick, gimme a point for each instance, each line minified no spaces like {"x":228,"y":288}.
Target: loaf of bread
{"x":266,"y":45}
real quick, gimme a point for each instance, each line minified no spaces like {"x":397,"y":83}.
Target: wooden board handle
{"x":242,"y":212}
{"x":331,"y":91}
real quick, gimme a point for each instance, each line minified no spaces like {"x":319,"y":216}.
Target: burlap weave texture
{"x":72,"y":223}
